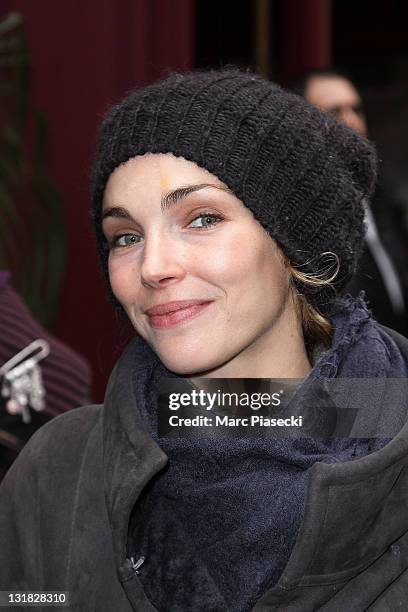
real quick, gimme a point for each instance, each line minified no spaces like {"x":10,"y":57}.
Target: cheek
{"x":261,"y":280}
{"x":272,"y":271}
{"x":122,"y":279}
{"x":250,"y":263}
{"x":232,"y":260}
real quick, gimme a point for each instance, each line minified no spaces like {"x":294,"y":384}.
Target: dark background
{"x":86,"y":54}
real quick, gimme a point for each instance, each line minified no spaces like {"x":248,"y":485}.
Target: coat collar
{"x":353,"y":511}
{"x":130,"y":455}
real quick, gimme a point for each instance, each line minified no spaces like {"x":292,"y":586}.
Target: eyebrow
{"x":167,"y":201}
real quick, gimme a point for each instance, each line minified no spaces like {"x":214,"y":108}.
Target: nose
{"x":353,"y":120}
{"x":162,"y":262}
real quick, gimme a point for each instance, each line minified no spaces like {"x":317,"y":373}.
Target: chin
{"x":187,"y":364}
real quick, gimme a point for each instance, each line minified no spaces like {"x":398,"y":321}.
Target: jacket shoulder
{"x":54,"y":450}
{"x":400,"y":340}
{"x":40,"y":486}
{"x":64,"y":435}
{"x":72,"y":426}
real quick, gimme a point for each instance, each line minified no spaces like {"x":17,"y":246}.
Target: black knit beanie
{"x":303,"y":174}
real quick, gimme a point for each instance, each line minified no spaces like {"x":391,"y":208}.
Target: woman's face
{"x":183,"y":244}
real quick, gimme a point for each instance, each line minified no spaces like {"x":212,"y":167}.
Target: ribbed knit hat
{"x":303,"y":174}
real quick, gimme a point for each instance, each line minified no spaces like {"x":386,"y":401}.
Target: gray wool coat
{"x":66,"y":501}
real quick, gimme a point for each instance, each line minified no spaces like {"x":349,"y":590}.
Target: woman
{"x":229,"y":219}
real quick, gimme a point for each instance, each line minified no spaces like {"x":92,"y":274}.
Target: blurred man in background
{"x":337,"y":95}
{"x":382,"y":271}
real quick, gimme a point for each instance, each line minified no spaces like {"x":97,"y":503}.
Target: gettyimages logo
{"x":208,"y":400}
{"x":231,"y":407}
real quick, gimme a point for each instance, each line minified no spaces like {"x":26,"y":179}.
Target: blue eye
{"x":208,"y":219}
{"x":125,"y":240}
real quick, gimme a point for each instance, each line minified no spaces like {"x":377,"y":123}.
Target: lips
{"x":168,"y":307}
{"x":174,"y":313}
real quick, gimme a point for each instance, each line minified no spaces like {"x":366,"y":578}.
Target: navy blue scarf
{"x":218,"y":524}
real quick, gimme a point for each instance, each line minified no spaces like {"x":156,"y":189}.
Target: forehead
{"x":331,"y":92}
{"x":154,"y":175}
